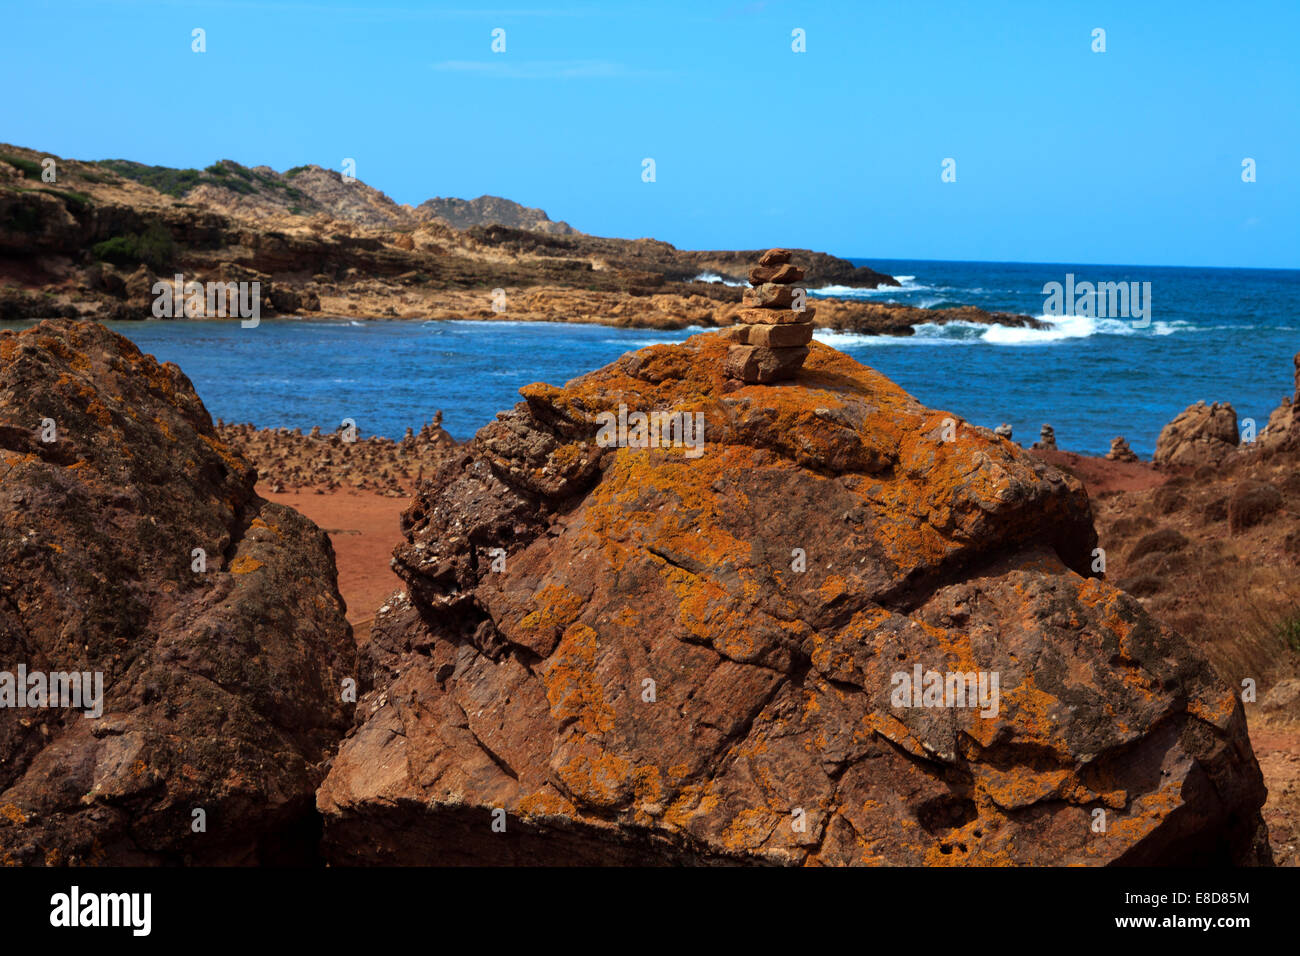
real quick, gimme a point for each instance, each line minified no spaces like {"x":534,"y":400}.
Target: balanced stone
{"x":774,"y":316}
{"x":779,"y":257}
{"x":769,"y":295}
{"x":779,"y":336}
{"x":782,"y":274}
{"x":752,"y":363}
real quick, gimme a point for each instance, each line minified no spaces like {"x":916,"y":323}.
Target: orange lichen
{"x":572,"y":687}
{"x":244,"y":565}
{"x":259,"y":523}
{"x":545,"y":803}
{"x":598,"y":780}
{"x":557,"y":607}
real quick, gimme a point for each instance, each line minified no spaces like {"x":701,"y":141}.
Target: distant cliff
{"x":488,"y":211}
{"x":93,"y":242}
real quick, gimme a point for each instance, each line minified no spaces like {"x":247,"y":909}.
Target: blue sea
{"x":1214,"y":334}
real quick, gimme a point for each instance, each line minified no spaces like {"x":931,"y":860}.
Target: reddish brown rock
{"x":692,"y":657}
{"x":769,"y":295}
{"x":775,"y":336}
{"x":775,"y":317}
{"x":221,"y":686}
{"x":775,"y":257}
{"x":1200,"y":435}
{"x":781,"y":275}
{"x":758,"y":363}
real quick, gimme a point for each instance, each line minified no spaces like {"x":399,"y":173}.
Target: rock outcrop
{"x":705,"y":653}
{"x":134,"y":552}
{"x":1200,"y":435}
{"x":1282,"y":434}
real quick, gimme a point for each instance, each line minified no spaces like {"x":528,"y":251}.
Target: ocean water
{"x":1214,"y":334}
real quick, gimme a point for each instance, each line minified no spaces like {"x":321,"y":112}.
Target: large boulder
{"x":704,"y":654}
{"x":1199,"y":435}
{"x":134,"y":551}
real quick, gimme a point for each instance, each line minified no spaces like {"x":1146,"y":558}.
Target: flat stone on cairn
{"x":772,"y":338}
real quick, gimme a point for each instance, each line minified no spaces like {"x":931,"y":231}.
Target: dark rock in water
{"x":706,"y":653}
{"x":132,"y":545}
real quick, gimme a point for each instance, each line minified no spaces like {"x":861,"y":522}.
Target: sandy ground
{"x":363,"y":527}
{"x":1100,"y":475}
{"x":1277,"y":748}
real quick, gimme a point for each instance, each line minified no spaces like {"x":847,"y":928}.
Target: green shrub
{"x":154,"y":248}
{"x":23,"y":218}
{"x":74,"y":202}
{"x":173,"y":182}
{"x":30,"y":168}
{"x":1289,"y":631}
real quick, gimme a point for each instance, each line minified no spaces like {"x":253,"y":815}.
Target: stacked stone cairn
{"x":775,"y":324}
{"x":1120,"y":450}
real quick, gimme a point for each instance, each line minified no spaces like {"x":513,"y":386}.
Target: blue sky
{"x":1062,"y":154}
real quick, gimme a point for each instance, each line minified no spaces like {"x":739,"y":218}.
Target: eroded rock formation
{"x":660,"y":654}
{"x":133,"y":546}
{"x":1200,"y":435}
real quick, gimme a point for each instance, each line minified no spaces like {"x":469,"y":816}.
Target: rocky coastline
{"x":504,"y":676}
{"x":95,"y":243}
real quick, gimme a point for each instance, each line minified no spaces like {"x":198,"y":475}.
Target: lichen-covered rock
{"x":132,"y":545}
{"x":1200,"y":435}
{"x":703,"y":654}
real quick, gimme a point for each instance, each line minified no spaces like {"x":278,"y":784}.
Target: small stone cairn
{"x":775,"y":325}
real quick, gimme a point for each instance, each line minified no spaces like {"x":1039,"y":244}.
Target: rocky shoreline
{"x":95,"y":243}
{"x":514,"y":676}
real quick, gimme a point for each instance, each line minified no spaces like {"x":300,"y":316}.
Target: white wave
{"x":714,"y":277}
{"x":852,"y":292}
{"x":925,"y":335}
{"x":1059,"y":329}
{"x":642,"y":342}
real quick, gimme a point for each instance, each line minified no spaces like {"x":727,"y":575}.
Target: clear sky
{"x":1062,"y":154}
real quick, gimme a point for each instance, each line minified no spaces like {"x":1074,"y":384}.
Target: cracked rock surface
{"x":640,"y":655}
{"x":221,"y":687}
